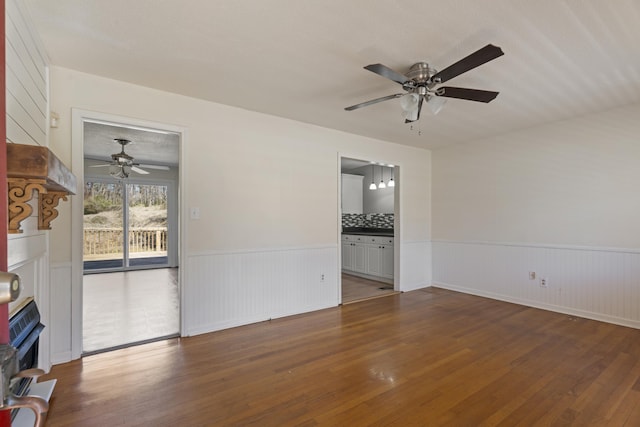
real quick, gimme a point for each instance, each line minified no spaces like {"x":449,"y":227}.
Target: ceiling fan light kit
{"x":435,"y":104}
{"x":119,"y":172}
{"x":421,"y":80}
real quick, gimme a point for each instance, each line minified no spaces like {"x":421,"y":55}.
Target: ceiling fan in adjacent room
{"x":420,"y":84}
{"x":123,"y":164}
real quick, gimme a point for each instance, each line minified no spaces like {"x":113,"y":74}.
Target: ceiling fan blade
{"x":468,"y":94}
{"x":158,"y":167}
{"x":99,"y":166}
{"x":138,"y":170}
{"x":477,"y":58}
{"x":387,"y":72}
{"x":373,"y":101}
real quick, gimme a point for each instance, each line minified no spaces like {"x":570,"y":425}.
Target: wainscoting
{"x":414,"y":269}
{"x":596,"y":283}
{"x":61,"y":318}
{"x":223,"y":290}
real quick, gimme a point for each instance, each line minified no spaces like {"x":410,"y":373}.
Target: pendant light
{"x":391,"y":182}
{"x":382,"y":184}
{"x":373,"y":184}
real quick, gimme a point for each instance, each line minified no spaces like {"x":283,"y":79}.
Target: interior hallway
{"x":122,"y":308}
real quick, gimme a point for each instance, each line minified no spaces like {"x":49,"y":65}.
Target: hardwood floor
{"x":356,"y":288}
{"x":422,"y":358}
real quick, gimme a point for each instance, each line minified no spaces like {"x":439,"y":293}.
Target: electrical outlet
{"x":322,"y":277}
{"x":532,"y":275}
{"x":544,"y":282}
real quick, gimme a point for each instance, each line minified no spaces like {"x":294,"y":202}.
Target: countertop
{"x":385,"y":232}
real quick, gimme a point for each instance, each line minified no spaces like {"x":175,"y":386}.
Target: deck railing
{"x":101,"y":242}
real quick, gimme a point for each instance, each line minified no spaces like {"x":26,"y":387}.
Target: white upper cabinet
{"x":351,"y":193}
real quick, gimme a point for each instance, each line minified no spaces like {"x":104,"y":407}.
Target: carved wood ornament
{"x":34,"y":169}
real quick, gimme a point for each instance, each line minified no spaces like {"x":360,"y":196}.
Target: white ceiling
{"x":303,"y":59}
{"x":146,"y":146}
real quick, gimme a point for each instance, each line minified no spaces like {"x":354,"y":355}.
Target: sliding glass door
{"x":147,"y":225}
{"x":125,"y":225}
{"x":103,"y":225}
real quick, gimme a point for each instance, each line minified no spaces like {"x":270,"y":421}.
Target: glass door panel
{"x":103,"y":226}
{"x":147,"y":225}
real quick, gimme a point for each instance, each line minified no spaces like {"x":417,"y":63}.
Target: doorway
{"x":368,"y":218}
{"x":130,"y":267}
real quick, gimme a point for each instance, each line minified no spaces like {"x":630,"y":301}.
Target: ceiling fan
{"x":122,"y":163}
{"x":420,"y":84}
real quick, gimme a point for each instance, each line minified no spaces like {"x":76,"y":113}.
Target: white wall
{"x":559,"y":199}
{"x":267,"y":189}
{"x":27,"y":123}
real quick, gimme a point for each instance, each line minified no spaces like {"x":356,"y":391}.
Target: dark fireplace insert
{"x":24,"y":333}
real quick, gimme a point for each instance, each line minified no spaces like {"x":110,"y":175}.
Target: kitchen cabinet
{"x":353,"y":254}
{"x":380,"y":260}
{"x":371,"y":256}
{"x":351,"y":194}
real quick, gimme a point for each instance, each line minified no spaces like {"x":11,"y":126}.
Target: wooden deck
{"x":421,"y":358}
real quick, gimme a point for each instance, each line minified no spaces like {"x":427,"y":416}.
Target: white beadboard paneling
{"x":23,"y":40}
{"x":21,"y":118}
{"x":15,"y":133}
{"x":27,"y":112}
{"x":60,"y":313}
{"x":415,"y":265}
{"x":596,"y":283}
{"x":27,"y":92}
{"x":231,"y":289}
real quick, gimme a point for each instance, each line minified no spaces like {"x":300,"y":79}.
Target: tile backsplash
{"x":372,"y":220}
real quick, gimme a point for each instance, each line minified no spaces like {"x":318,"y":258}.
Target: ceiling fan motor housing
{"x":420,"y":75}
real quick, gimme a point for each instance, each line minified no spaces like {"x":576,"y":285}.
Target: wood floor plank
{"x":426,"y":358}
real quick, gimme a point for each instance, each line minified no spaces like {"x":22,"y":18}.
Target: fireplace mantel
{"x":31,"y":169}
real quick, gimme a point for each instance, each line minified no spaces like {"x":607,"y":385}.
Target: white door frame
{"x":397,"y":223}
{"x":77,"y":203}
